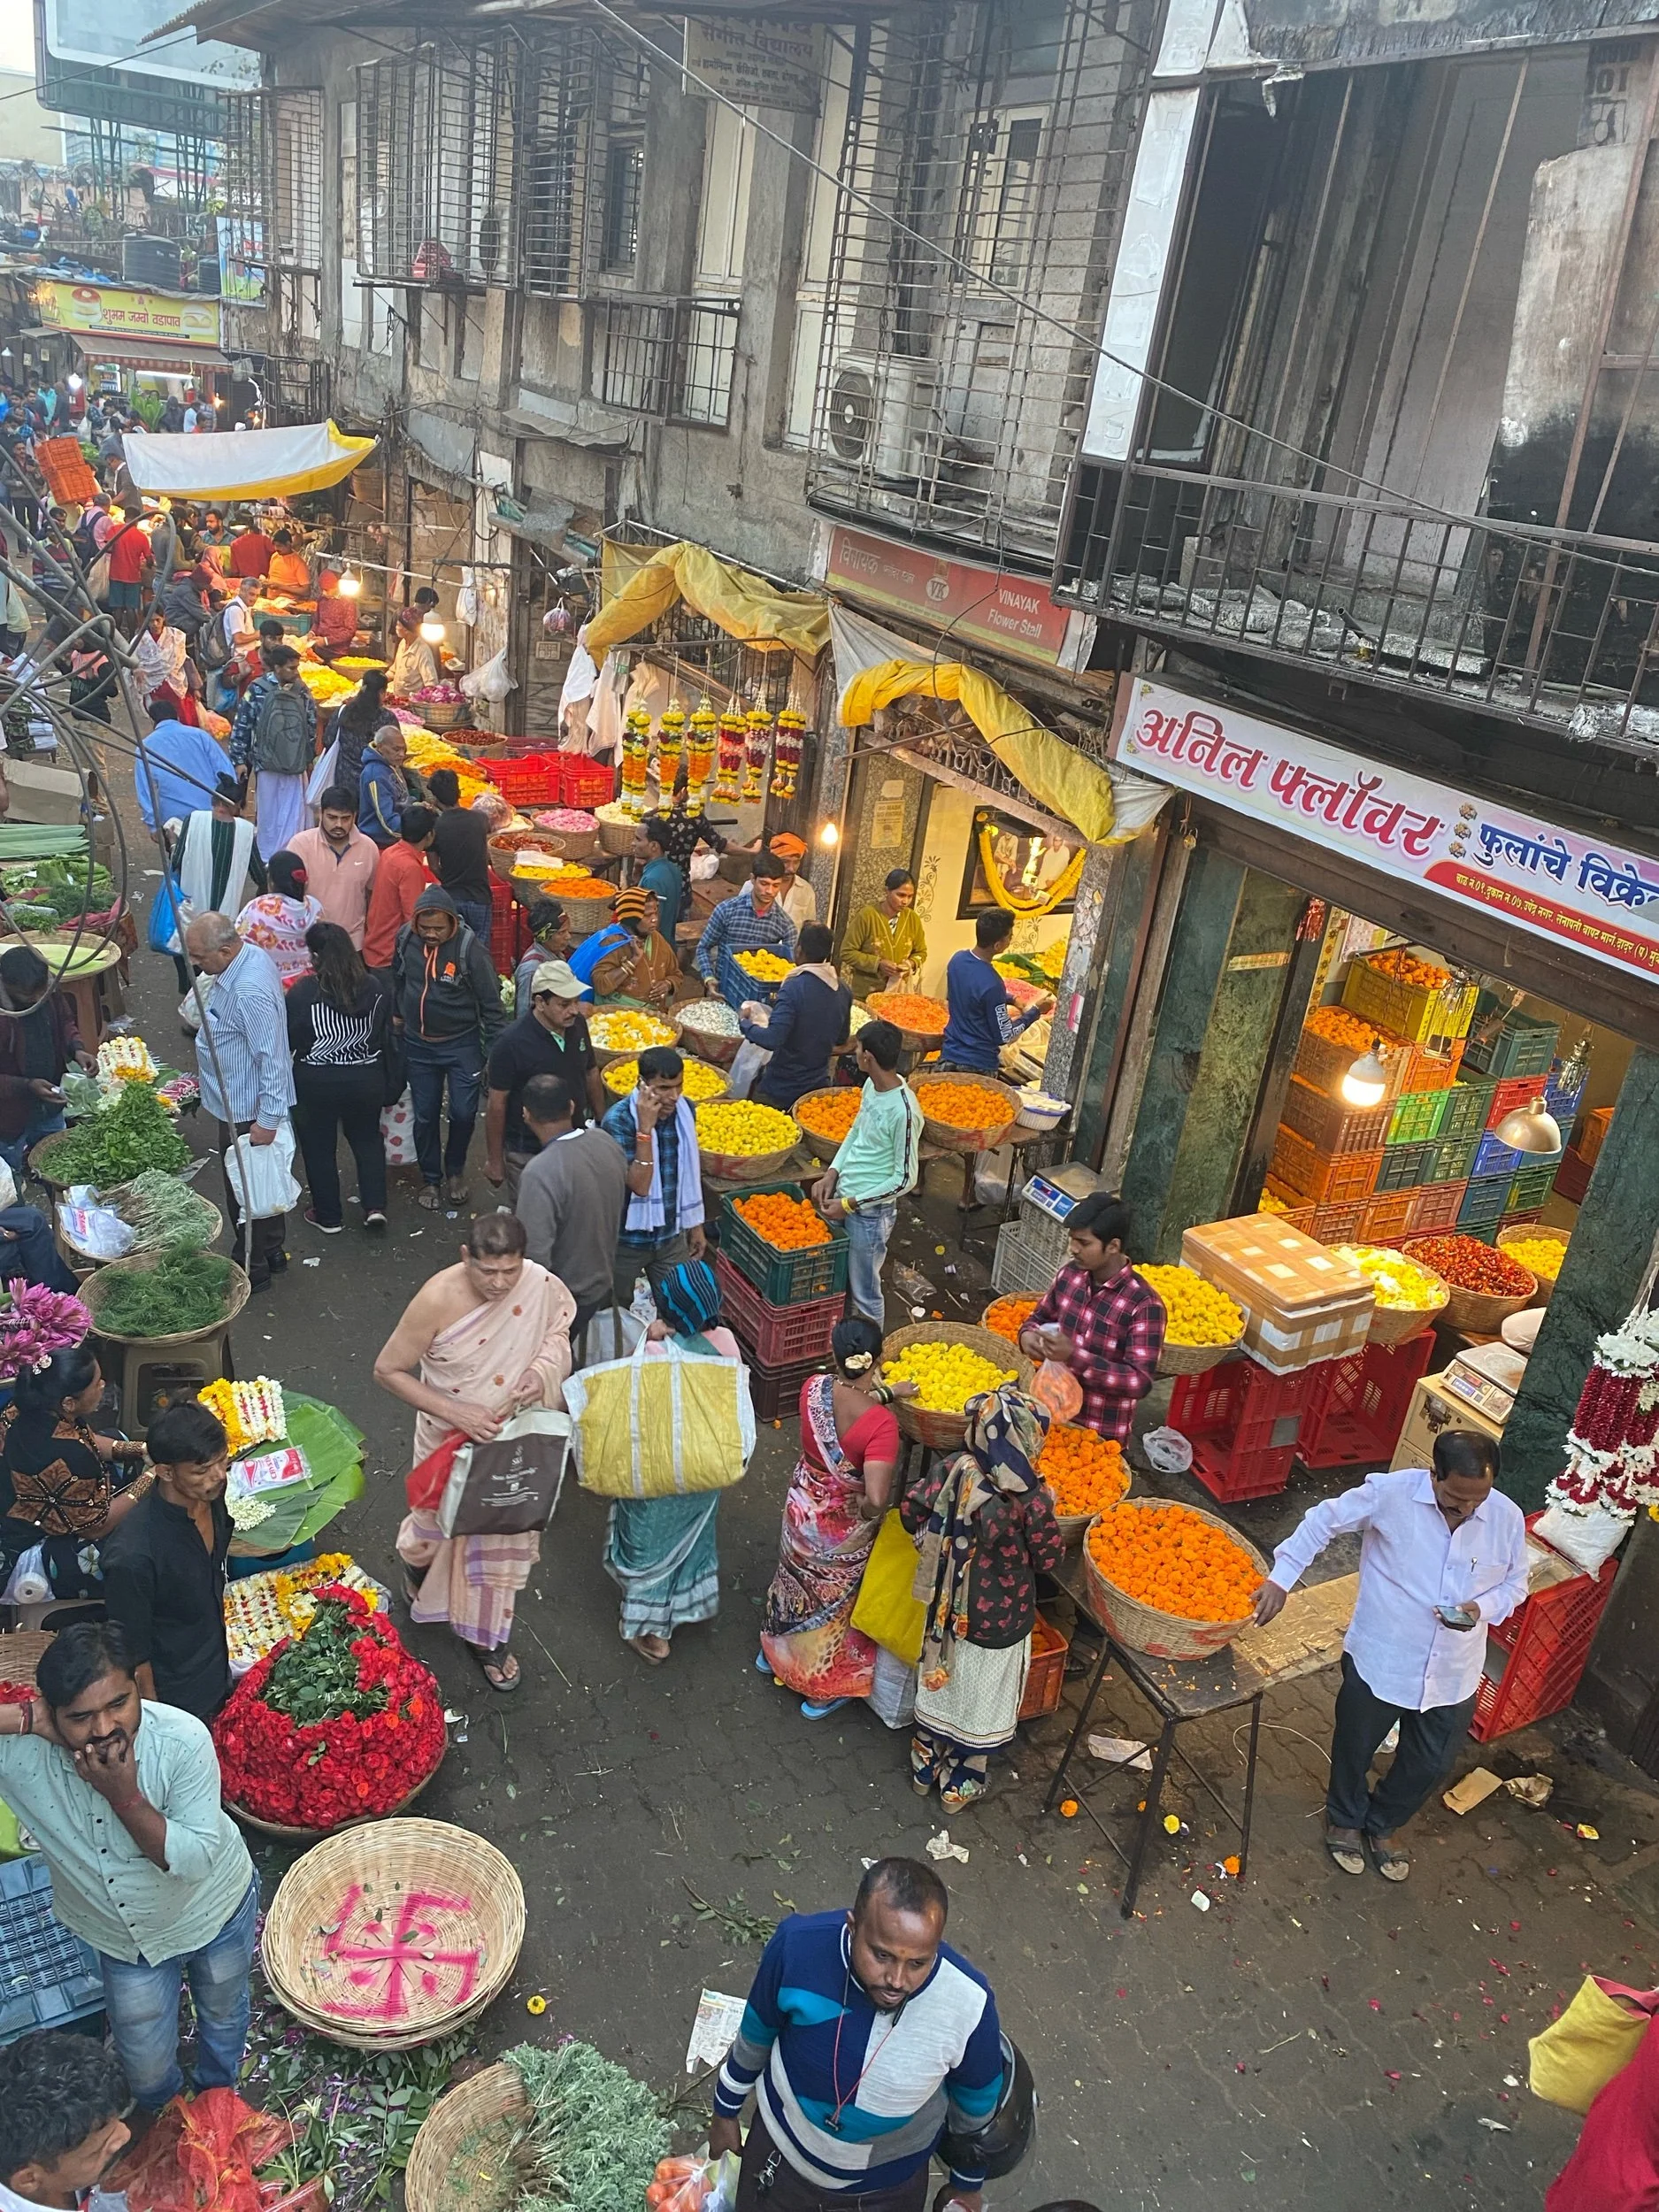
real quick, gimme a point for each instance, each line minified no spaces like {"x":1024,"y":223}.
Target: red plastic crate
{"x":584,"y":782}
{"x":1363,"y":1402}
{"x":1436,"y":1206}
{"x":509,"y":927}
{"x":1572,"y":1177}
{"x":1513,"y":1091}
{"x":775,"y":1392}
{"x":781,"y":1336}
{"x":537,"y":780}
{"x":1422,"y":1071}
{"x":1244,"y":1425}
{"x":1385,"y":1217}
{"x":1547,"y":1647}
{"x":1329,"y":1124}
{"x":1319,"y":1175}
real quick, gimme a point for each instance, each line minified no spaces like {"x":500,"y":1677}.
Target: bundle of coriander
{"x":165,"y":1214}
{"x":594,"y":2134}
{"x":183,"y":1291}
{"x":135,"y":1133}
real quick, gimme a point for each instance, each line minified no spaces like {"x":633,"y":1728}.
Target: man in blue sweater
{"x":865,"y":2037}
{"x":981,"y":1023}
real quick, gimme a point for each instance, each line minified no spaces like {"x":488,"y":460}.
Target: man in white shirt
{"x":1443,"y":1559}
{"x":61,"y":2129}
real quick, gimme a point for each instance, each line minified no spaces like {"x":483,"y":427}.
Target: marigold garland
{"x":1058,"y":892}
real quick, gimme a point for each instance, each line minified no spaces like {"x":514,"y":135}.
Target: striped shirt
{"x":247,"y":1021}
{"x":856,"y":2098}
{"x":340,"y":1040}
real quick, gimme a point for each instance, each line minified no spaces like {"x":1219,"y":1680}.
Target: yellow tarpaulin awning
{"x":638,"y":591}
{"x":242,"y":464}
{"x":873,"y":667}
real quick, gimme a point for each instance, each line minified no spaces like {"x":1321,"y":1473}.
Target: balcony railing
{"x":1541,"y":626}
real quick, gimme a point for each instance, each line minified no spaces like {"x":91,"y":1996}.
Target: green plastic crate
{"x":1451,"y":1158}
{"x":783,"y":1278}
{"x":1519,"y":1045}
{"x":1403,"y":1166}
{"x":1467,"y":1107}
{"x":1416,"y":1115}
{"x":1485,"y":1205}
{"x":1531,"y":1186}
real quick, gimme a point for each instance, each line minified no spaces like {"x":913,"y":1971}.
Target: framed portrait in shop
{"x":1028,"y":862}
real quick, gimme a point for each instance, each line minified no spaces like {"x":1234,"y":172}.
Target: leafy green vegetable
{"x":167,"y":1215}
{"x":135,"y":1133}
{"x":185,"y":1290}
{"x":595,"y":2132}
{"x":315,"y":1678}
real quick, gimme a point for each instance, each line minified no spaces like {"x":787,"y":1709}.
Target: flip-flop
{"x":1348,"y":1855}
{"x":1391,"y":1863}
{"x":489,"y":1665}
{"x":430,"y":1201}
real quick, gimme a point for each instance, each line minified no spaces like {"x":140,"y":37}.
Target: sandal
{"x":493,"y":1666}
{"x":431,"y":1200}
{"x":454,"y":1191}
{"x":810,"y":1711}
{"x":1391,"y":1863}
{"x":646,"y":1645}
{"x":1347,"y":1848}
{"x":412,"y":1579}
{"x":967,"y":1794}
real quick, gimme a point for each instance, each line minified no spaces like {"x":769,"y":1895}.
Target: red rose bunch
{"x":337,"y":1724}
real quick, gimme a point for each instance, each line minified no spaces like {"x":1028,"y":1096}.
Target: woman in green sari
{"x":663,"y":1552}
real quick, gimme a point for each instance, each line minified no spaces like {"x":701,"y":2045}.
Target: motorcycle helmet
{"x":998,"y":2144}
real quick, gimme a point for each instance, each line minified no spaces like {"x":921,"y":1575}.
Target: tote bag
{"x":887,"y":1610}
{"x":508,"y":1486}
{"x":662,"y":1426}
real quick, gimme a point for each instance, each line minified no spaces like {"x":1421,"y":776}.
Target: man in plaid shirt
{"x":753,"y":921}
{"x":1101,"y":1319}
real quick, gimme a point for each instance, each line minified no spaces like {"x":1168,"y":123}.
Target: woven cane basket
{"x":824,"y":1148}
{"x":93,"y":1292}
{"x":960,"y":1139}
{"x":245,"y":1819}
{"x":20,"y":1652}
{"x":1562,"y":1237}
{"x":1479,"y":1312}
{"x":462,"y":2160}
{"x":1143,"y":1627}
{"x":1196,"y":1359}
{"x":944,"y":1432}
{"x":386,"y":1936}
{"x":744,"y":1167}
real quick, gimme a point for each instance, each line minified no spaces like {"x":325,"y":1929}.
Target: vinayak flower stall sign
{"x":1558,"y":883}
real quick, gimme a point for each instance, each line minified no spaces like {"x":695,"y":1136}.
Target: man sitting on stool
{"x":1444,"y":1559}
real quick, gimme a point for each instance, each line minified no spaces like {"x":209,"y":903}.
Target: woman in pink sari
{"x":839,"y":1492}
{"x":487,"y":1338}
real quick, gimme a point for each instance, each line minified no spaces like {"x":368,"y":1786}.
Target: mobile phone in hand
{"x":1456,"y":1616}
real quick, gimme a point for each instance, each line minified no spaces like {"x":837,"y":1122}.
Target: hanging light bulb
{"x":830,"y":835}
{"x":1367,"y":1078}
{"x":431,"y":630}
{"x":1530,"y":1129}
{"x":350,"y":585}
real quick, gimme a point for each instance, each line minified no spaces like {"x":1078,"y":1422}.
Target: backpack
{"x":213,"y":647}
{"x":282,"y":731}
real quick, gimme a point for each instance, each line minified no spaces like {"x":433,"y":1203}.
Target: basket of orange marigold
{"x":966,"y":1113}
{"x":1170,"y":1580}
{"x":1085,"y":1474}
{"x":826,"y":1116}
{"x":1006,"y":1317}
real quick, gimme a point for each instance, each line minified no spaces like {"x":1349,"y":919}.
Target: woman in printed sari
{"x":663,"y":1551}
{"x":62,"y":1487}
{"x":478,"y":1343}
{"x":839,"y":1492}
{"x":987,"y":1529}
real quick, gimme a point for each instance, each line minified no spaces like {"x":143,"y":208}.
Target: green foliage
{"x":185,"y":1290}
{"x":315,"y":1678}
{"x":136,"y":1133}
{"x":595,"y":2132}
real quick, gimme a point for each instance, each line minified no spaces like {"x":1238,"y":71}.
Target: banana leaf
{"x":333,"y":1449}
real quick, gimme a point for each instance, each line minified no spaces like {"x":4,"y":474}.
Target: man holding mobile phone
{"x":1443,"y":1555}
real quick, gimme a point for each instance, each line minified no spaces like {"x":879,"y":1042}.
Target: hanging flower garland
{"x":1613,"y":1445}
{"x":1058,"y":892}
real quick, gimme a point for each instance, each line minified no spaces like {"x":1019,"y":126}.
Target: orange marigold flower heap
{"x":1085,"y":1472}
{"x":1338,"y":1026}
{"x":911,"y":1009}
{"x":1170,"y":1558}
{"x":962,"y":1105}
{"x":585,"y":888}
{"x":831,"y":1115}
{"x":1401,"y":965}
{"x":789,"y":1224}
{"x":1008,"y":1316}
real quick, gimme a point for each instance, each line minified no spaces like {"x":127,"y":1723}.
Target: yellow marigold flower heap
{"x":1197,"y":1313}
{"x":621,"y":1030}
{"x":947,"y":1375}
{"x":765,"y":967}
{"x":702,"y":1081}
{"x":744,"y":1128}
{"x":1540,"y":1256}
{"x":1398,"y":1283}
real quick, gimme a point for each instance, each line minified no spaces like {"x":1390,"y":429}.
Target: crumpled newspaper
{"x":941,"y":1847}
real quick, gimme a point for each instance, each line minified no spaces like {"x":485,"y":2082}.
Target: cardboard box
{"x":41,"y":793}
{"x":1433,"y":1409}
{"x":1301,"y":1302}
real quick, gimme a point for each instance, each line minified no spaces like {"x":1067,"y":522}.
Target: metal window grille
{"x":1002,"y":135}
{"x":670,"y":358}
{"x":438,"y":135}
{"x":625,"y":175}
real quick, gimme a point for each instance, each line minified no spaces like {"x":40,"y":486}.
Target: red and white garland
{"x":1613,"y":1445}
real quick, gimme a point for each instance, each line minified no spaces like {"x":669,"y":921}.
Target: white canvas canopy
{"x":242,"y":464}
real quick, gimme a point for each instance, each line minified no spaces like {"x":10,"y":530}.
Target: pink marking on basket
{"x":403,"y":1959}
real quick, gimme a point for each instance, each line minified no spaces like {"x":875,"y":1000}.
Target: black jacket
{"x":447,"y":990}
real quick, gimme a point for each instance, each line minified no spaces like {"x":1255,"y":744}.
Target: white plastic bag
{"x":466,"y":600}
{"x":1168,"y":1452}
{"x":893,"y":1691}
{"x":397,"y":1131}
{"x":491,"y":682}
{"x":1588,"y":1539}
{"x":261,"y":1175}
{"x":192,"y":1005}
{"x":746,"y":1065}
{"x":605,"y":1342}
{"x":322,"y":775}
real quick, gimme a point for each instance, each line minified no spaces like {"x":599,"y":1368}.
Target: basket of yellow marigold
{"x":950,"y":1362}
{"x":622,"y":1033}
{"x":742,"y":1141}
{"x":1408,"y":1296}
{"x":965,"y":1113}
{"x":1203,"y":1327}
{"x":826,"y":1116}
{"x":1539,"y":1250}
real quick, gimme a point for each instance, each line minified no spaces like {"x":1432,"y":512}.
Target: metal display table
{"x":1306,"y":1636}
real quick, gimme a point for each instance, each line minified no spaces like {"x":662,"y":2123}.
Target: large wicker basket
{"x":283,"y":1834}
{"x":387,"y":1937}
{"x":1562,"y":1237}
{"x":745,"y":1167}
{"x":1074,"y":1526}
{"x":823,"y":1148}
{"x":960,"y":1139}
{"x":615,"y":838}
{"x":944,"y":1432}
{"x":1143,"y":1627}
{"x":915,"y":1040}
{"x":604,"y":1055}
{"x":708,"y":1044}
{"x":462,"y":2161}
{"x":1479,"y":1312}
{"x":20,"y":1651}
{"x":571,"y":844}
{"x":1395,"y":1324}
{"x":96,"y":1289}
{"x":585,"y":915}
{"x":1196,"y":1359}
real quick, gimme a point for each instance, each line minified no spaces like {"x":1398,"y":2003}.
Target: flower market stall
{"x":296,"y":1464}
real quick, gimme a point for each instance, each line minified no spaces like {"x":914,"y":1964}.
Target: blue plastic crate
{"x":1562,"y":1099}
{"x":1484,"y":1204}
{"x":47,"y":1976}
{"x":1494,"y":1158}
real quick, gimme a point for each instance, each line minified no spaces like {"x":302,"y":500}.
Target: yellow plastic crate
{"x":1434,"y":1018}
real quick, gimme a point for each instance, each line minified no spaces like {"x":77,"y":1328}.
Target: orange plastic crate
{"x":1303,"y":1168}
{"x":1045,"y":1679}
{"x":1386,"y":1216}
{"x":1331,"y":1125}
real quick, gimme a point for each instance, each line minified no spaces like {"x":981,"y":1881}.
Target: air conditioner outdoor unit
{"x":878,"y":411}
